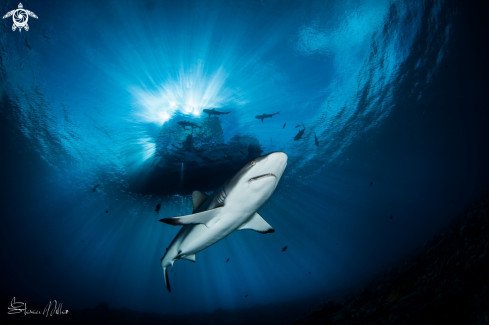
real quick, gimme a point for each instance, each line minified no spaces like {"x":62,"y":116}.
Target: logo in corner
{"x":20,"y":17}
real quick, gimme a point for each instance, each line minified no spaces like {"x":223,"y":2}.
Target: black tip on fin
{"x":171,"y":221}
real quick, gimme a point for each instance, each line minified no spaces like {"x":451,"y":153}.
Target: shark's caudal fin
{"x":167,"y":281}
{"x":208,"y":218}
{"x":258,"y":224}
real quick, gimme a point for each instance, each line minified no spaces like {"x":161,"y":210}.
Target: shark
{"x":233,"y":206}
{"x":184,"y":124}
{"x":264,"y":116}
{"x":214,"y":112}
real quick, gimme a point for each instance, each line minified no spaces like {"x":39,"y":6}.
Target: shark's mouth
{"x":261,"y":176}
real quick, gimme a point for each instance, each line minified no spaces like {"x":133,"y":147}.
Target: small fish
{"x":158,"y":206}
{"x":106,"y":211}
{"x":26,"y":44}
{"x":242,"y":152}
{"x":94,"y":189}
{"x":297,"y":126}
{"x":227,"y":260}
{"x":284,"y":249}
{"x":300,"y":134}
{"x":284,"y":125}
{"x":391,"y":217}
{"x":371,"y":183}
{"x":246,"y":295}
{"x":316,"y":139}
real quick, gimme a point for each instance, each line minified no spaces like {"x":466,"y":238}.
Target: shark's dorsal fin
{"x":208,"y":218}
{"x":190,"y":258}
{"x":257,"y":223}
{"x":197,"y":199}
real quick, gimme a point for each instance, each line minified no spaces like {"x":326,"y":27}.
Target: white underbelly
{"x":200,"y":237}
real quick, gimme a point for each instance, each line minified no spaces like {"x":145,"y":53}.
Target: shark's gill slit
{"x":221,"y":197}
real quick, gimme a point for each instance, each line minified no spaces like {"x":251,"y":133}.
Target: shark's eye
{"x":252,"y":163}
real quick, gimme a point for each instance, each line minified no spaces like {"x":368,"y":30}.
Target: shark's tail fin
{"x":167,"y":281}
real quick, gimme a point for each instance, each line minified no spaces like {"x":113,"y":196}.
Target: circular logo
{"x":20,"y":18}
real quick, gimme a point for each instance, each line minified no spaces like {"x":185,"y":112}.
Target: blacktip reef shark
{"x":231,"y":207}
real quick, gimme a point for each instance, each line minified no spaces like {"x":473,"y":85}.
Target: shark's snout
{"x":274,"y":163}
{"x":267,"y":169}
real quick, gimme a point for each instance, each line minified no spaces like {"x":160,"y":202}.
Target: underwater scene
{"x":244,"y":162}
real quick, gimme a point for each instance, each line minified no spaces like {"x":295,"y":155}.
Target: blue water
{"x":394,"y":90}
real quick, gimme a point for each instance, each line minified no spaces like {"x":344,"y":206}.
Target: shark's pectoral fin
{"x":190,"y":258}
{"x":208,"y":218}
{"x":197,"y":199}
{"x":258,"y":224}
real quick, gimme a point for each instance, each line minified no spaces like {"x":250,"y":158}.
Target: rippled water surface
{"x":391,"y":95}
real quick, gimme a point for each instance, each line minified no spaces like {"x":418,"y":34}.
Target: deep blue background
{"x":396,"y":92}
